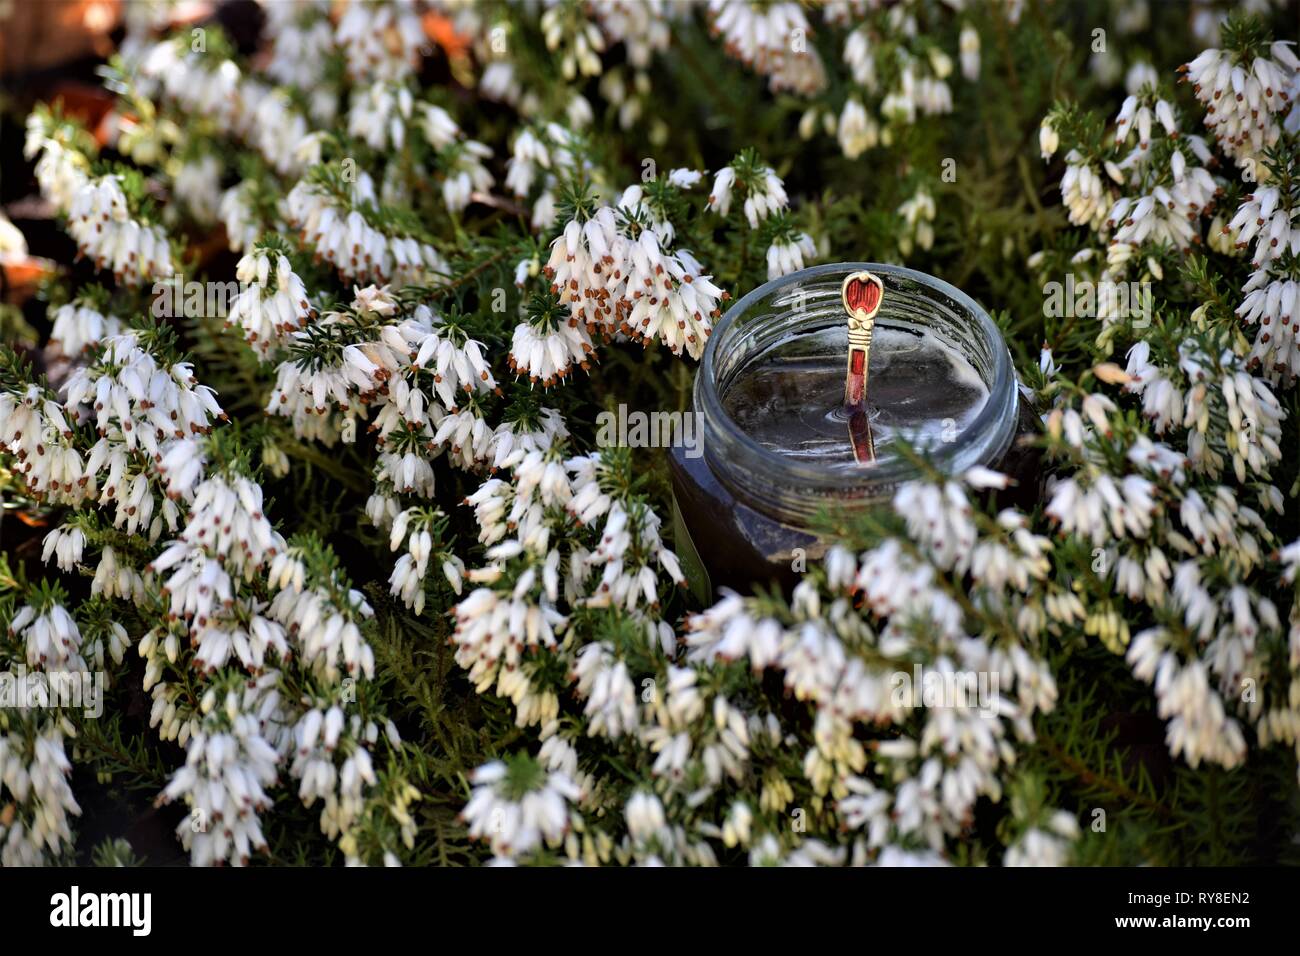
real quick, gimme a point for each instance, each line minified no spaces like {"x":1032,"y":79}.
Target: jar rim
{"x":983,"y":433}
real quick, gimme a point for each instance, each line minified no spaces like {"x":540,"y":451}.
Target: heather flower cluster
{"x":1178,"y":501}
{"x":386,"y":599}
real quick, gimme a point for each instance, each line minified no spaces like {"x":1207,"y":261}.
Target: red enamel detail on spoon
{"x":861,"y":295}
{"x":857,"y":365}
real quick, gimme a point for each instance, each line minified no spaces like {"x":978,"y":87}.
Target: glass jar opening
{"x":941,"y":376}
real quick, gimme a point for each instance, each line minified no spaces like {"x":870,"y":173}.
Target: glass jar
{"x":773,"y":449}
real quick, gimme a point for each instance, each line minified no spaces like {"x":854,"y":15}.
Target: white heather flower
{"x":378,"y":115}
{"x":1164,"y":217}
{"x":736,"y":829}
{"x":407,"y":579}
{"x":198,"y":185}
{"x":517,"y":817}
{"x":493,"y":628}
{"x":582,"y":43}
{"x":672,"y":301}
{"x":98,"y":219}
{"x":1103,"y":509}
{"x":932,"y":799}
{"x":332,"y":764}
{"x":208,"y":86}
{"x":857,"y":131}
{"x":34,"y":430}
{"x":641,"y":25}
{"x":348,"y":241}
{"x":808,"y":123}
{"x":969,"y":45}
{"x":1198,"y":728}
{"x":587,"y":269}
{"x":547,"y":354}
{"x":138,"y":403}
{"x":529,"y":154}
{"x":268,"y":313}
{"x":645,"y":816}
{"x":860,"y":59}
{"x":61,"y":172}
{"x":545,"y":210}
{"x":35,"y":770}
{"x":919,"y":90}
{"x":514,"y":440}
{"x":760,"y":36}
{"x":1045,"y":845}
{"x":634,"y":204}
{"x":113,"y":579}
{"x":78,"y":327}
{"x":938,"y":517}
{"x":439,"y":128}
{"x":1049,"y":141}
{"x":489,"y":503}
{"x":499,"y":82}
{"x":1272,"y":298}
{"x":786,"y":255}
{"x":526,"y":269}
{"x":918,"y":218}
{"x":940,"y":62}
{"x":1162,"y":401}
{"x":243,"y":227}
{"x":326,"y":631}
{"x":107,"y":641}
{"x":467,"y":437}
{"x":558,"y":754}
{"x":893,"y":856}
{"x":49,"y":634}
{"x":229,"y":766}
{"x":1140,"y":76}
{"x":1275,"y":308}
{"x":720,"y":194}
{"x":408,"y":473}
{"x":301,"y":43}
{"x":65,"y":545}
{"x":274,"y":458}
{"x":375,"y":300}
{"x":465,"y":173}
{"x":727,"y":632}
{"x":1082,"y":191}
{"x":423,"y":342}
{"x":685,"y":178}
{"x":1244,"y":100}
{"x":629,"y":542}
{"x":381,"y":41}
{"x":766,"y":196}
{"x":278,"y":131}
{"x":1266,"y":216}
{"x":611,"y":701}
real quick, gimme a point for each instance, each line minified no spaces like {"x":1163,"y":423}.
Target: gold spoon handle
{"x":861,"y":293}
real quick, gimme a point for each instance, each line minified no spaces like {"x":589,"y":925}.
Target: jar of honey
{"x":774,"y":449}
